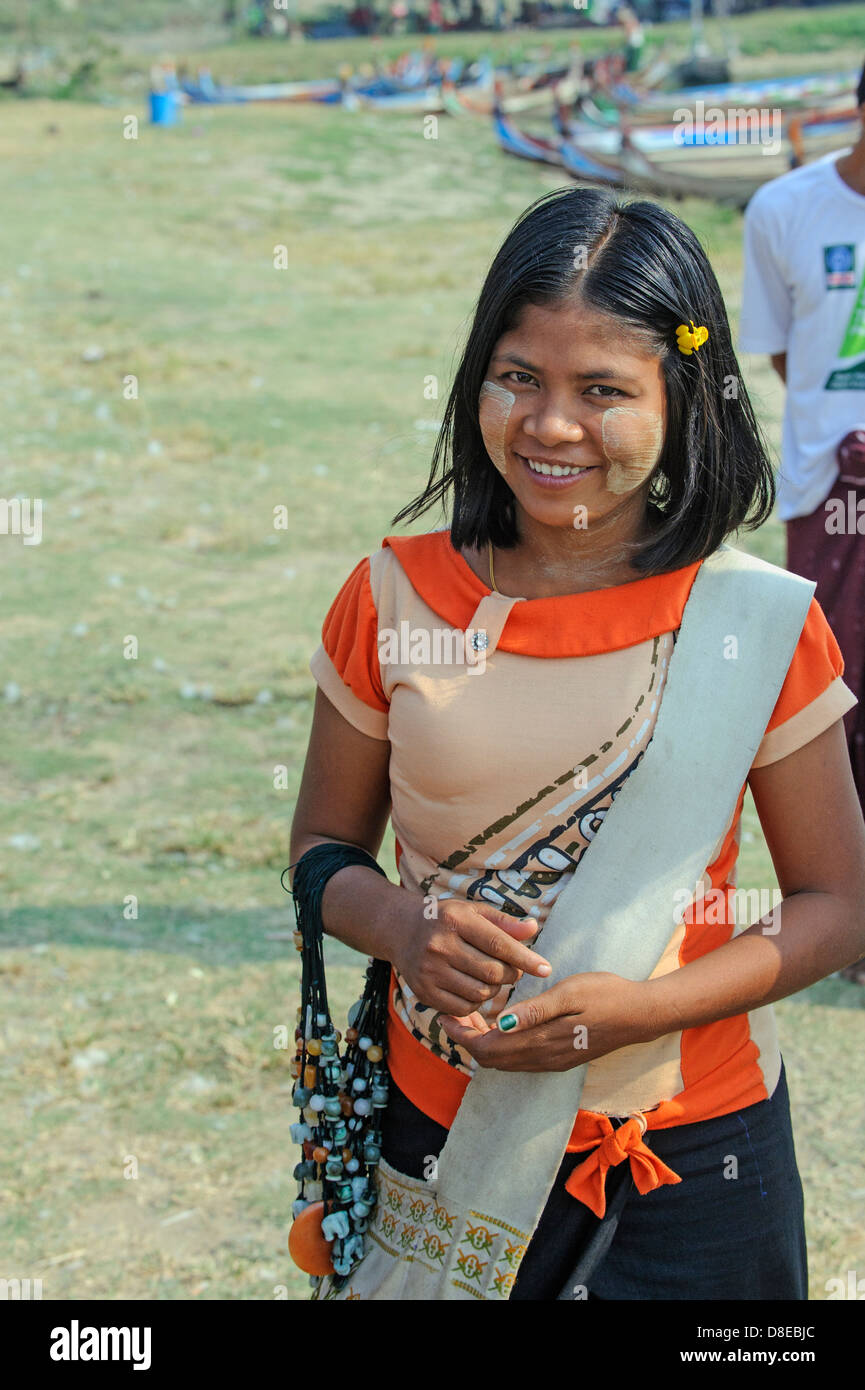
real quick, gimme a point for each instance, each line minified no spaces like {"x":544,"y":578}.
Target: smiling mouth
{"x":542,"y":469}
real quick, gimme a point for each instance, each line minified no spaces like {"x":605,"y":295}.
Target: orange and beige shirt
{"x":512,"y":725}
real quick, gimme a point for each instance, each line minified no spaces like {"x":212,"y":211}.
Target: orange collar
{"x":587,"y":624}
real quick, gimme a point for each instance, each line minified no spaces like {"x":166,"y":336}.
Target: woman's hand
{"x":466,"y":956}
{"x":574,"y":1021}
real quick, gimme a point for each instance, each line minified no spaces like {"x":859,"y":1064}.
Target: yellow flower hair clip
{"x":689,"y":339}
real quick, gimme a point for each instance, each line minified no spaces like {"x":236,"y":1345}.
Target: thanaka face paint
{"x":632,"y":440}
{"x":495,"y":404}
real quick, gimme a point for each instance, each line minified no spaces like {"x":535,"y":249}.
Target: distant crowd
{"x":442,"y":16}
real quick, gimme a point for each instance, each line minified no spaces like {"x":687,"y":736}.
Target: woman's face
{"x":573,"y":413}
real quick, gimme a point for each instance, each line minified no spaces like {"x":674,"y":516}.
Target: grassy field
{"x":143,"y":968}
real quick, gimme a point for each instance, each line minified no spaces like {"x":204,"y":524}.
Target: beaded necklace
{"x":340,"y":1098}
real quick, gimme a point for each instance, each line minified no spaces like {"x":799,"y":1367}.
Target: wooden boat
{"x":629,"y":170}
{"x":638,"y":106}
{"x":209,"y":93}
{"x":815,"y":133}
{"x":414,"y":83}
{"x":589,"y":108}
{"x":732,"y":186}
{"x":709,"y":153}
{"x":496,"y":87}
{"x":375,"y":89}
{"x":410,"y":73}
{"x":520,"y":143}
{"x":447,"y":93}
{"x":426,"y":99}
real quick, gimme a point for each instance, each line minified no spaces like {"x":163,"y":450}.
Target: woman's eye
{"x":613,"y":390}
{"x":526,"y":376}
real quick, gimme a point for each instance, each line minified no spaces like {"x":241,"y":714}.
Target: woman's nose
{"x":549,"y":423}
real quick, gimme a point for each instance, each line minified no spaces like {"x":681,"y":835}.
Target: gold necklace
{"x":492,"y":572}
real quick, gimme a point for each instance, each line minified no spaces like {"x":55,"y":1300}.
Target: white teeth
{"x":554,"y":470}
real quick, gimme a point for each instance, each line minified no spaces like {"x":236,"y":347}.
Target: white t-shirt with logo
{"x":804,"y":294}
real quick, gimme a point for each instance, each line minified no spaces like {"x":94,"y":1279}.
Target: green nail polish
{"x":507,"y":1022}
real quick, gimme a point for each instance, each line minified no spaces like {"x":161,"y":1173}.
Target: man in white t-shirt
{"x":803,"y":303}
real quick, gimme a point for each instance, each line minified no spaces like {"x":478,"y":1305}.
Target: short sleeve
{"x":813,"y":695}
{"x":767,"y":301}
{"x":346,"y":665}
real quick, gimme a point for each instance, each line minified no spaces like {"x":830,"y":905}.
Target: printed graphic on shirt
{"x":549,"y":832}
{"x":839,"y":263}
{"x":848,"y":373}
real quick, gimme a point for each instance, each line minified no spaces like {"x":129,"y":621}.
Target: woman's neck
{"x":551,"y":562}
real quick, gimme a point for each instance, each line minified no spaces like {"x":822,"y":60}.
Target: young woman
{"x":598,"y":445}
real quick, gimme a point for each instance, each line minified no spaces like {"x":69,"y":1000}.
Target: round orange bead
{"x":375,"y":1053}
{"x":320,"y":1155}
{"x":313,"y":1047}
{"x":306,"y":1243}
{"x":345,"y":1106}
{"x":310,"y":1076}
{"x":351,"y":1035}
{"x":346,"y":1155}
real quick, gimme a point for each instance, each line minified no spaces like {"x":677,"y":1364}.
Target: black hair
{"x":860,"y":90}
{"x":645,"y":267}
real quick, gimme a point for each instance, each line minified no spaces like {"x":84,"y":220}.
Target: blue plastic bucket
{"x":164,"y":108}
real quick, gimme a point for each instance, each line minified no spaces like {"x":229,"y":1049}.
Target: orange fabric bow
{"x":587,"y":1181}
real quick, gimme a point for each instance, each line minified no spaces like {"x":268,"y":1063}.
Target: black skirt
{"x":733,"y":1228}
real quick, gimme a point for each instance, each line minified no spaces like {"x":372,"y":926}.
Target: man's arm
{"x":766,"y":316}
